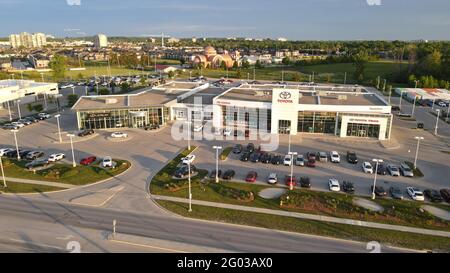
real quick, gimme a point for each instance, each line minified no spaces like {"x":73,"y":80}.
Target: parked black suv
{"x":305,"y":182}
{"x":250,"y":148}
{"x":237,"y":149}
{"x":245,"y":156}
{"x":228,"y":175}
{"x":433,"y":195}
{"x":184,"y":171}
{"x":85,"y":133}
{"x":348,"y":186}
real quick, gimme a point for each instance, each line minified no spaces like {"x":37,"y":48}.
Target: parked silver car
{"x":405,"y":170}
{"x":393,"y":170}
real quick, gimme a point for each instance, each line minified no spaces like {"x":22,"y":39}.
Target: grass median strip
{"x":64,"y":173}
{"x":362,"y":234}
{"x":13,"y":187}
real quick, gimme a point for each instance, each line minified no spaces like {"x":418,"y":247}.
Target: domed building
{"x":211,"y":59}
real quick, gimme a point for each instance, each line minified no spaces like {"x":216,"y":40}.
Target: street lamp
{"x":417,"y":150}
{"x":189,"y":182}
{"x":437,"y":121}
{"x":288,"y":130}
{"x":3,"y":173}
{"x":59,"y":128}
{"x":291,"y":185}
{"x":18,"y":109}
{"x":15,"y":140}
{"x":400,"y":104}
{"x":217,"y":148}
{"x":73,"y":90}
{"x":377,"y":161}
{"x":414,"y":106}
{"x":9,"y":111}
{"x":189,"y":134}
{"x":74,"y":164}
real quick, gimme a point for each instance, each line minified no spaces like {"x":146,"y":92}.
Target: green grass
{"x":13,"y":187}
{"x":64,"y":173}
{"x":362,"y":234}
{"x":225,"y":153}
{"x":332,"y":73}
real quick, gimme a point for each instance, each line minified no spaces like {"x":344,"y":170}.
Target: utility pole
{"x":217,"y":148}
{"x":417,"y":150}
{"x":377,"y":161}
{"x":74,"y":164}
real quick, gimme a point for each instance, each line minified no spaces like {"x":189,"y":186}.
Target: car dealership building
{"x":343,"y":111}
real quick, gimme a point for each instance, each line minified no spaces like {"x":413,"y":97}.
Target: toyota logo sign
{"x":285,"y":95}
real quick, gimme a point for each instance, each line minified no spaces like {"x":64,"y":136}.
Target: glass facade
{"x":363,"y":130}
{"x":248,"y":118}
{"x":371,"y":130}
{"x":317,"y":122}
{"x":118,"y":118}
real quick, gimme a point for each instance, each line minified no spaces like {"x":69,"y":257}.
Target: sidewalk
{"x":308,"y":216}
{"x":37,"y":182}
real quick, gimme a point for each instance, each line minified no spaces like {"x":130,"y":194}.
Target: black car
{"x":86,"y":133}
{"x":265,"y":158}
{"x":32,"y":119}
{"x":10,"y":127}
{"x":36,"y":163}
{"x":151,"y":127}
{"x":213,"y":174}
{"x":184,"y":171}
{"x":348,"y":186}
{"x":245,"y":156}
{"x":228,"y":175}
{"x":381,"y":169}
{"x":23,"y":154}
{"x":12,"y":153}
{"x":396,"y":192}
{"x":379,"y":190}
{"x":352,"y":158}
{"x":250,"y":148}
{"x":433,"y":195}
{"x":237,"y":149}
{"x":255,"y":157}
{"x":305,"y":182}
{"x":276,"y":159}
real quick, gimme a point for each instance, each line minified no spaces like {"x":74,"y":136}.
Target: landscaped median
{"x":60,"y":173}
{"x":395,"y":212}
{"x":225,"y":153}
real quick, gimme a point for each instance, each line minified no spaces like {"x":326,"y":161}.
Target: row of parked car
{"x":16,"y":125}
{"x":36,"y":158}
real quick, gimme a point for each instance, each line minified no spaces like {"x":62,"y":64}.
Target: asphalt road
{"x":80,"y":223}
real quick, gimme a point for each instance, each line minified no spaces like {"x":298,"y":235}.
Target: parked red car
{"x":251,"y":177}
{"x":88,"y":160}
{"x":311,"y":163}
{"x":290,"y":181}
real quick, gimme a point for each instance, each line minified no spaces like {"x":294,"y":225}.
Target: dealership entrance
{"x":363,"y":130}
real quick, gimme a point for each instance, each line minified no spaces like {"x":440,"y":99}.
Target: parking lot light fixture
{"x":189,"y":182}
{"x":417,"y":150}
{"x":9,"y":111}
{"x":189,"y":134}
{"x":413,"y":106}
{"x":292,"y":154}
{"x":59,"y":128}
{"x":377,"y":161}
{"x":217,"y":148}
{"x":18,"y":109}
{"x":15,"y":140}
{"x":3,"y":173}
{"x":74,"y":164}
{"x":438,"y":112}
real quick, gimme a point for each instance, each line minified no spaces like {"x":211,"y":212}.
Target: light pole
{"x":292,"y":154}
{"x":390,"y":94}
{"x":189,"y":182}
{"x":400,"y":104}
{"x":415,"y":86}
{"x":345,"y":77}
{"x":3,"y":173}
{"x":17,"y":145}
{"x":18,"y":109}
{"x":217,"y":148}
{"x":189,"y":134}
{"x":9,"y":111}
{"x":59,"y":128}
{"x":414,"y":106}
{"x":74,"y":164}
{"x":45,"y":102}
{"x":73,"y":89}
{"x":437,"y":120}
{"x":377,"y":161}
{"x":417,"y":150}
{"x":289,"y":139}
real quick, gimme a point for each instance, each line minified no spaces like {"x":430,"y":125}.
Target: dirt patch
{"x":272,"y":193}
{"x":440,"y":213}
{"x":367,"y":204}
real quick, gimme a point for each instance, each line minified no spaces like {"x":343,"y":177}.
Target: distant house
{"x":38,"y":61}
{"x":160,"y":68}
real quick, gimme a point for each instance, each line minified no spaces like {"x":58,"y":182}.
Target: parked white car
{"x":272,"y":178}
{"x":56,"y":157}
{"x":287,"y":161}
{"x":415,"y":194}
{"x":107,"y":162}
{"x":4,"y":151}
{"x":18,"y":124}
{"x":367,"y":167}
{"x":333,"y":184}
{"x":335,"y":157}
{"x":119,"y":135}
{"x":44,"y":115}
{"x":188,"y":159}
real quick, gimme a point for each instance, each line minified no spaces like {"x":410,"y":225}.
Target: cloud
{"x":373,"y":2}
{"x":73,"y":2}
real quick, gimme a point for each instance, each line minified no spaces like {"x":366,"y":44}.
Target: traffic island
{"x":62,"y":173}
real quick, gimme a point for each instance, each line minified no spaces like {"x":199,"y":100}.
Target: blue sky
{"x":293,"y":19}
